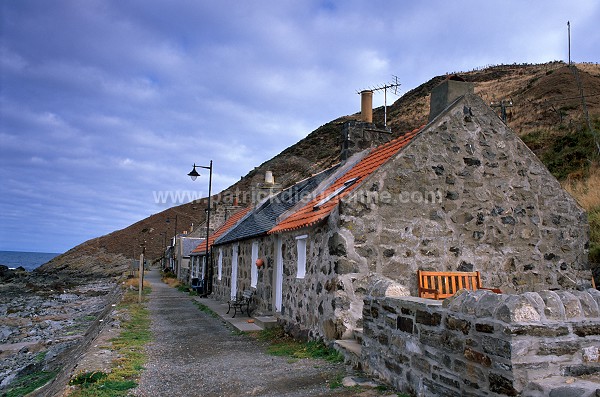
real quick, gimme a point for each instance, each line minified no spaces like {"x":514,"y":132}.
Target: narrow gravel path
{"x":195,"y":354}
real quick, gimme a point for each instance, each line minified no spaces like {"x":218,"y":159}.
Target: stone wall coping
{"x":415,"y":299}
{"x":528,"y":307}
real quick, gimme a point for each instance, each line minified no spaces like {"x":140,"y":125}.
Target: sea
{"x":29,"y":260}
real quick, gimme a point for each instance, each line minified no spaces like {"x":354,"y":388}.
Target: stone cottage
{"x":462,"y":193}
{"x":199,"y":270}
{"x":236,"y":251}
{"x":182,"y":248}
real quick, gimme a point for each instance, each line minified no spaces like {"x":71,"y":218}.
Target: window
{"x":254,"y":270}
{"x":301,"y":248}
{"x":336,"y":192}
{"x":220,"y":265}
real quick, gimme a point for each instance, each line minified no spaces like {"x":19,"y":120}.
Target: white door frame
{"x":234,"y":270}
{"x":253,"y":268}
{"x":278,"y":276}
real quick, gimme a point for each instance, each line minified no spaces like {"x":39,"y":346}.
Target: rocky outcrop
{"x":44,"y":320}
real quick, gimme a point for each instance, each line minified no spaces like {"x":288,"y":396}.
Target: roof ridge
{"x":228,"y":224}
{"x":310,"y":214}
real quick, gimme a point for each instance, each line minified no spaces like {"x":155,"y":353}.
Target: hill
{"x":553,"y":107}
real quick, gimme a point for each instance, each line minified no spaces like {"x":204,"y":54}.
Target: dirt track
{"x":194,"y":354}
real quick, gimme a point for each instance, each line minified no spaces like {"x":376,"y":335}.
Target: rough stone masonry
{"x":481,"y":343}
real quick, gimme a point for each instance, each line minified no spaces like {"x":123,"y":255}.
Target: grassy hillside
{"x":547,"y":112}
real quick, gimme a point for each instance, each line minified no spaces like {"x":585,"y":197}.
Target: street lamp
{"x":194,"y":174}
{"x":172,"y":264}
{"x":169,"y":221}
{"x":163,"y":249}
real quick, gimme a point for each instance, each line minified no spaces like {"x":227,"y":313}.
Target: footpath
{"x":196,"y":354}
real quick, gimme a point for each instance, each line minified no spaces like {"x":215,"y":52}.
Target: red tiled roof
{"x":310,"y":214}
{"x":229,"y":223}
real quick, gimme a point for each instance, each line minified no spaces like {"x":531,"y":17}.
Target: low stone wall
{"x":480,"y":343}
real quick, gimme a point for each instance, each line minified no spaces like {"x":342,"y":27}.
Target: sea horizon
{"x":29,"y":260}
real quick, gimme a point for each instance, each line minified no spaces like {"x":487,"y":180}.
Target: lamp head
{"x":193,"y":173}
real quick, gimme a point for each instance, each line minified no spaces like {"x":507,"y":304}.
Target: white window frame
{"x":335,"y":193}
{"x":301,"y":255}
{"x":220,"y":265}
{"x":253,"y":268}
{"x":192,"y":267}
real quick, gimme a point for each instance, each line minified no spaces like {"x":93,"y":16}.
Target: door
{"x":277,"y":303}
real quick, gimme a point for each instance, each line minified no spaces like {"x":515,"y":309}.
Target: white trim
{"x":220,"y":265}
{"x":301,"y":255}
{"x":278,"y":275}
{"x":253,"y":268}
{"x":234,"y":270}
{"x":335,"y":193}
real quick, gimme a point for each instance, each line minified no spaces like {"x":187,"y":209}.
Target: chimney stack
{"x":447,"y":92}
{"x":366,"y":106}
{"x":267,"y":189}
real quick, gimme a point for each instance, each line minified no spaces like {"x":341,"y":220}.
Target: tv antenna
{"x":392,"y":86}
{"x":503,"y":104}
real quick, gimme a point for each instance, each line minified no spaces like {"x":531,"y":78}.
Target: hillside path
{"x":195,"y":354}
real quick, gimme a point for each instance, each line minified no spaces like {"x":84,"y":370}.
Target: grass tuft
{"x":566,"y":154}
{"x":282,"y":344}
{"x":29,"y":383}
{"x":206,"y":309}
{"x":87,"y":377}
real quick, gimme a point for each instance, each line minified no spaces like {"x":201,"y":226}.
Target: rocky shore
{"x":46,"y":319}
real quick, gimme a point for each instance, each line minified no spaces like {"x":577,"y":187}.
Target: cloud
{"x":105,"y":102}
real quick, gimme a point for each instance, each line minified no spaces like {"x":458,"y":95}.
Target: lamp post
{"x":169,"y":221}
{"x":163,"y":249}
{"x":173,"y":253}
{"x":194,"y":174}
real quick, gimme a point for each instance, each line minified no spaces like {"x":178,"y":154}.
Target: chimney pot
{"x":269,"y":178}
{"x":366,"y":106}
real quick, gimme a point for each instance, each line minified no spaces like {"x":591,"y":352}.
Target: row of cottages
{"x":462,"y":193}
{"x":201,"y":276}
{"x":179,"y":254}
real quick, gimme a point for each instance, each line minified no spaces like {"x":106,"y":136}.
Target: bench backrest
{"x":441,"y":285}
{"x":247,"y":293}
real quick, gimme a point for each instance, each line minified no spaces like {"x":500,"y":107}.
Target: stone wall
{"x":480,"y":343}
{"x":467,"y":194}
{"x":315,"y":306}
{"x":262,"y":301}
{"x":310,"y":303}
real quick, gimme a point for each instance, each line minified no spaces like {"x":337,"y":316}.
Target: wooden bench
{"x":239,"y":302}
{"x":441,"y":285}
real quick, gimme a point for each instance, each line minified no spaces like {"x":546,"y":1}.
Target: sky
{"x":106,"y":104}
